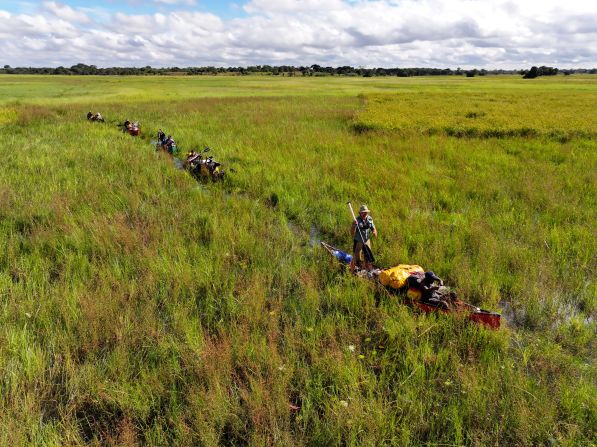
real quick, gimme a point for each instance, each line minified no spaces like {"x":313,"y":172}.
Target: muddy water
{"x":178,"y":163}
{"x":512,"y":317}
{"x":313,"y":239}
{"x":564,"y":314}
{"x":314,"y":236}
{"x":295,"y":229}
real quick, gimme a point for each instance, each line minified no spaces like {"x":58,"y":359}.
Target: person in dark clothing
{"x":169,"y":144}
{"x":428,"y":284}
{"x":161,"y":136}
{"x":89,"y":115}
{"x":361,"y":231}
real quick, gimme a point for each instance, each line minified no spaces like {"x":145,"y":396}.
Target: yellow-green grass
{"x":140,"y":308}
{"x":91,"y":90}
{"x":561,"y":114}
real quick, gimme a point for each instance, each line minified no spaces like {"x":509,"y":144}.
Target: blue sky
{"x":509,"y":34}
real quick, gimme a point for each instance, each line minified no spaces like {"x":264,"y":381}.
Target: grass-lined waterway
{"x":139,"y":309}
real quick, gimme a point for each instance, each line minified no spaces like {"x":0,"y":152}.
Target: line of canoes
{"x":201,"y":167}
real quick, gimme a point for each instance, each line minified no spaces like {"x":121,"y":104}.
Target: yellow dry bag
{"x":396,"y":277}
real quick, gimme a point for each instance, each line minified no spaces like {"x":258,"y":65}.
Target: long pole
{"x":355,"y":221}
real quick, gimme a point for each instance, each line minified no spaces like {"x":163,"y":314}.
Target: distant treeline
{"x":283,"y":70}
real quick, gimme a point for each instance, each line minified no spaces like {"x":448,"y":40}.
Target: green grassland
{"x":138,"y":307}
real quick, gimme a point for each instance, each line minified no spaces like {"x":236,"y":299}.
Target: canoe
{"x":473,"y":313}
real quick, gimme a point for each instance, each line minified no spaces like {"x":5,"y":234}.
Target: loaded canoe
{"x":480,"y":316}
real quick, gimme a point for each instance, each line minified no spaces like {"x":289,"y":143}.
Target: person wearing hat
{"x":361,"y":231}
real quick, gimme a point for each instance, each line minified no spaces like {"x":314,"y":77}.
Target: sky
{"x":489,"y":34}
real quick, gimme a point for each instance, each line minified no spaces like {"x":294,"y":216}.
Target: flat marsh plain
{"x":140,"y":308}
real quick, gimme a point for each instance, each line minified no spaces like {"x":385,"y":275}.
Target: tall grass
{"x":140,"y":308}
{"x":561,"y":115}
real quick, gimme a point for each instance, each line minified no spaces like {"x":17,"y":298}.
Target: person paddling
{"x":361,"y":230}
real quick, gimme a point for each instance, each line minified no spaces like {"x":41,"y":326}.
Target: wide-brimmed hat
{"x":364,"y":209}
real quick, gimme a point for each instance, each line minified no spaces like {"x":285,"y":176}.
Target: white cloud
{"x":466,"y":33}
{"x":66,"y":12}
{"x":293,"y":6}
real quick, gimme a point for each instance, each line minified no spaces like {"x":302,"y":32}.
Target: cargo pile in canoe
{"x":403,"y":280}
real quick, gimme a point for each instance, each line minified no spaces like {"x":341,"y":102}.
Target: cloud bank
{"x":369,"y":33}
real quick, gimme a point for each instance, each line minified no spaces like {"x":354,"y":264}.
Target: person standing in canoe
{"x":361,"y":230}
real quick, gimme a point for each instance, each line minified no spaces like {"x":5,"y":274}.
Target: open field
{"x":140,"y":308}
{"x":90,"y":90}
